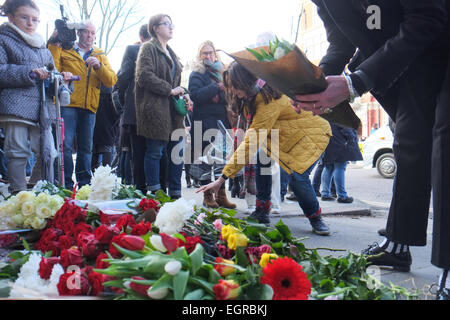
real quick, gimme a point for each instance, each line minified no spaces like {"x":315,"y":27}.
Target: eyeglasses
{"x":167,"y":24}
{"x":27,"y":18}
{"x":207,"y":53}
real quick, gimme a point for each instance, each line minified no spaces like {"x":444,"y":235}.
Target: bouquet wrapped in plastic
{"x":285,"y":67}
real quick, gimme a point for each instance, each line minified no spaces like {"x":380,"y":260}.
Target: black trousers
{"x":138,"y":147}
{"x":422,"y":152}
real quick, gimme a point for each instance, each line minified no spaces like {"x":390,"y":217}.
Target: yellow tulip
{"x":227,"y":231}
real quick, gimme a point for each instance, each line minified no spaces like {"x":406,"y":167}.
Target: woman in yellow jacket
{"x":295,"y":141}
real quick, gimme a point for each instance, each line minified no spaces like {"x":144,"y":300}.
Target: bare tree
{"x":115,"y":16}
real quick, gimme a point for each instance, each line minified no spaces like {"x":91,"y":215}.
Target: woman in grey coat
{"x":23,"y":57}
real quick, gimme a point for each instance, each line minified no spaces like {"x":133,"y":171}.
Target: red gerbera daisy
{"x":287,"y":280}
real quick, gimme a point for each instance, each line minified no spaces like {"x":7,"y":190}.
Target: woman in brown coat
{"x":158,"y":77}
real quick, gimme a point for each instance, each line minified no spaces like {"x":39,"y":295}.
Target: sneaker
{"x":318,"y":195}
{"x":319,"y":227}
{"x":377,"y":256}
{"x":382,"y":232}
{"x":275,"y":210}
{"x":345,"y":200}
{"x":291,"y":197}
{"x":326,"y":198}
{"x":250,"y":209}
{"x":261,"y":215}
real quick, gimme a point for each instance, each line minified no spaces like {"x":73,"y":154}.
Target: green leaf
{"x":266,"y":292}
{"x":164,"y":282}
{"x":114,"y":283}
{"x":229,"y":212}
{"x":197,"y":258}
{"x":128,"y":253}
{"x":241,"y":257}
{"x":180,"y":281}
{"x":274,"y":235}
{"x":26,"y":245}
{"x":179,"y":236}
{"x":156,"y":263}
{"x":195,"y":295}
{"x":257,"y":55}
{"x":284,"y":230}
{"x":203,"y":284}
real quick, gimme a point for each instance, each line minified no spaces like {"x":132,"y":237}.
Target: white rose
{"x":17,"y":219}
{"x":43,"y":211}
{"x":38,"y":224}
{"x":28,"y":208}
{"x":42,"y":198}
{"x":25,"y":196}
{"x":279,"y":53}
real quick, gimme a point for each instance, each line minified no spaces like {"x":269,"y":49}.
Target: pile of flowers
{"x":29,"y":210}
{"x":104,"y":185}
{"x":181,"y":252}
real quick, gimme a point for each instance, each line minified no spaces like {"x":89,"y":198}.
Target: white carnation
{"x":173,"y":215}
{"x":103,"y":184}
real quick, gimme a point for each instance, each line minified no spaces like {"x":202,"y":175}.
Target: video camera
{"x":67,"y":34}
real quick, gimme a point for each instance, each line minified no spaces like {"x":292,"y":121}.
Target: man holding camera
{"x":91,"y":64}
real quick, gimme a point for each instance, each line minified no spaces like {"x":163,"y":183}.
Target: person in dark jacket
{"x":23,"y":57}
{"x":208,"y":95}
{"x":158,"y":78}
{"x":343,"y":147}
{"x":106,"y":130}
{"x":126,"y":85}
{"x":404,"y":64}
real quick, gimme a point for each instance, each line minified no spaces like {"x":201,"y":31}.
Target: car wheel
{"x":387,"y":166}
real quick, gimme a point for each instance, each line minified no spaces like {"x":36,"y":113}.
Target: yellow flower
{"x":222,"y":269}
{"x":227,"y":231}
{"x":38,"y":224}
{"x":17,"y":219}
{"x":25,"y":196}
{"x":237,"y":240}
{"x":265,"y":259}
{"x":42,"y":198}
{"x":83,"y":193}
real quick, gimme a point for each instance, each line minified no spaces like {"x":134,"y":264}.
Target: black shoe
{"x":328,"y":199}
{"x":382,"y":232}
{"x":319,"y":227}
{"x":196,"y":184}
{"x":317,"y":193}
{"x":189,"y":185}
{"x":334,"y":195}
{"x":377,"y":256}
{"x":345,"y":200}
{"x":261,"y":215}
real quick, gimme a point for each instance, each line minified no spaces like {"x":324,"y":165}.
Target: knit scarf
{"x":215,"y":69}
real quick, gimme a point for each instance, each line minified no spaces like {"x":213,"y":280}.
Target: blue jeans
{"x":78,"y":123}
{"x":154,"y":152}
{"x":336,"y":171}
{"x":285,"y":179}
{"x":301,"y":186}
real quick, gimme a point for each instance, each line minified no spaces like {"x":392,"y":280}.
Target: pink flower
{"x":218,"y":224}
{"x":200,"y":218}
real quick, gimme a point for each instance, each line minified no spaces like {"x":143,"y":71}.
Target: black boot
{"x":389,"y":254}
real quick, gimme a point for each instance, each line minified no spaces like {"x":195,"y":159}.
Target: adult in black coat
{"x":207,"y":92}
{"x":343,"y":147}
{"x":402,"y":60}
{"x":125,"y":85}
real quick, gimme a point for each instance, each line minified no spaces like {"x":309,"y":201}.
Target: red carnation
{"x":99,"y":263}
{"x":46,"y":267}
{"x":147,"y":204}
{"x":104,"y":233}
{"x":141,"y":229}
{"x":71,"y":257}
{"x":96,"y":281}
{"x":191,"y":243}
{"x":125,"y":221}
{"x":287,"y":279}
{"x":88,"y":244}
{"x":65,"y":242}
{"x":73,"y":284}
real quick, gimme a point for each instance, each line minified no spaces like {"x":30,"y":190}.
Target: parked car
{"x":378,"y":153}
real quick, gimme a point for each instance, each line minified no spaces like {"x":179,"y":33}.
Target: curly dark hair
{"x":236,"y":76}
{"x":11,"y":6}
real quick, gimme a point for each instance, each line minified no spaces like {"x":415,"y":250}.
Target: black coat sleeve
{"x":201,"y":92}
{"x":424,"y":22}
{"x":126,"y":73}
{"x":340,"y":50}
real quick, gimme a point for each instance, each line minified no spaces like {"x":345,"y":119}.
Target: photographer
{"x":91,"y":64}
{"x":22,"y":59}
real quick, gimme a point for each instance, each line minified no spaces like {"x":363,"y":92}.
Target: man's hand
{"x":93,"y":62}
{"x":67,"y":76}
{"x":336,"y":92}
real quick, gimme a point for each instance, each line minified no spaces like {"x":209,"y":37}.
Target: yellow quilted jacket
{"x":294,"y":140}
{"x":87,"y":91}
